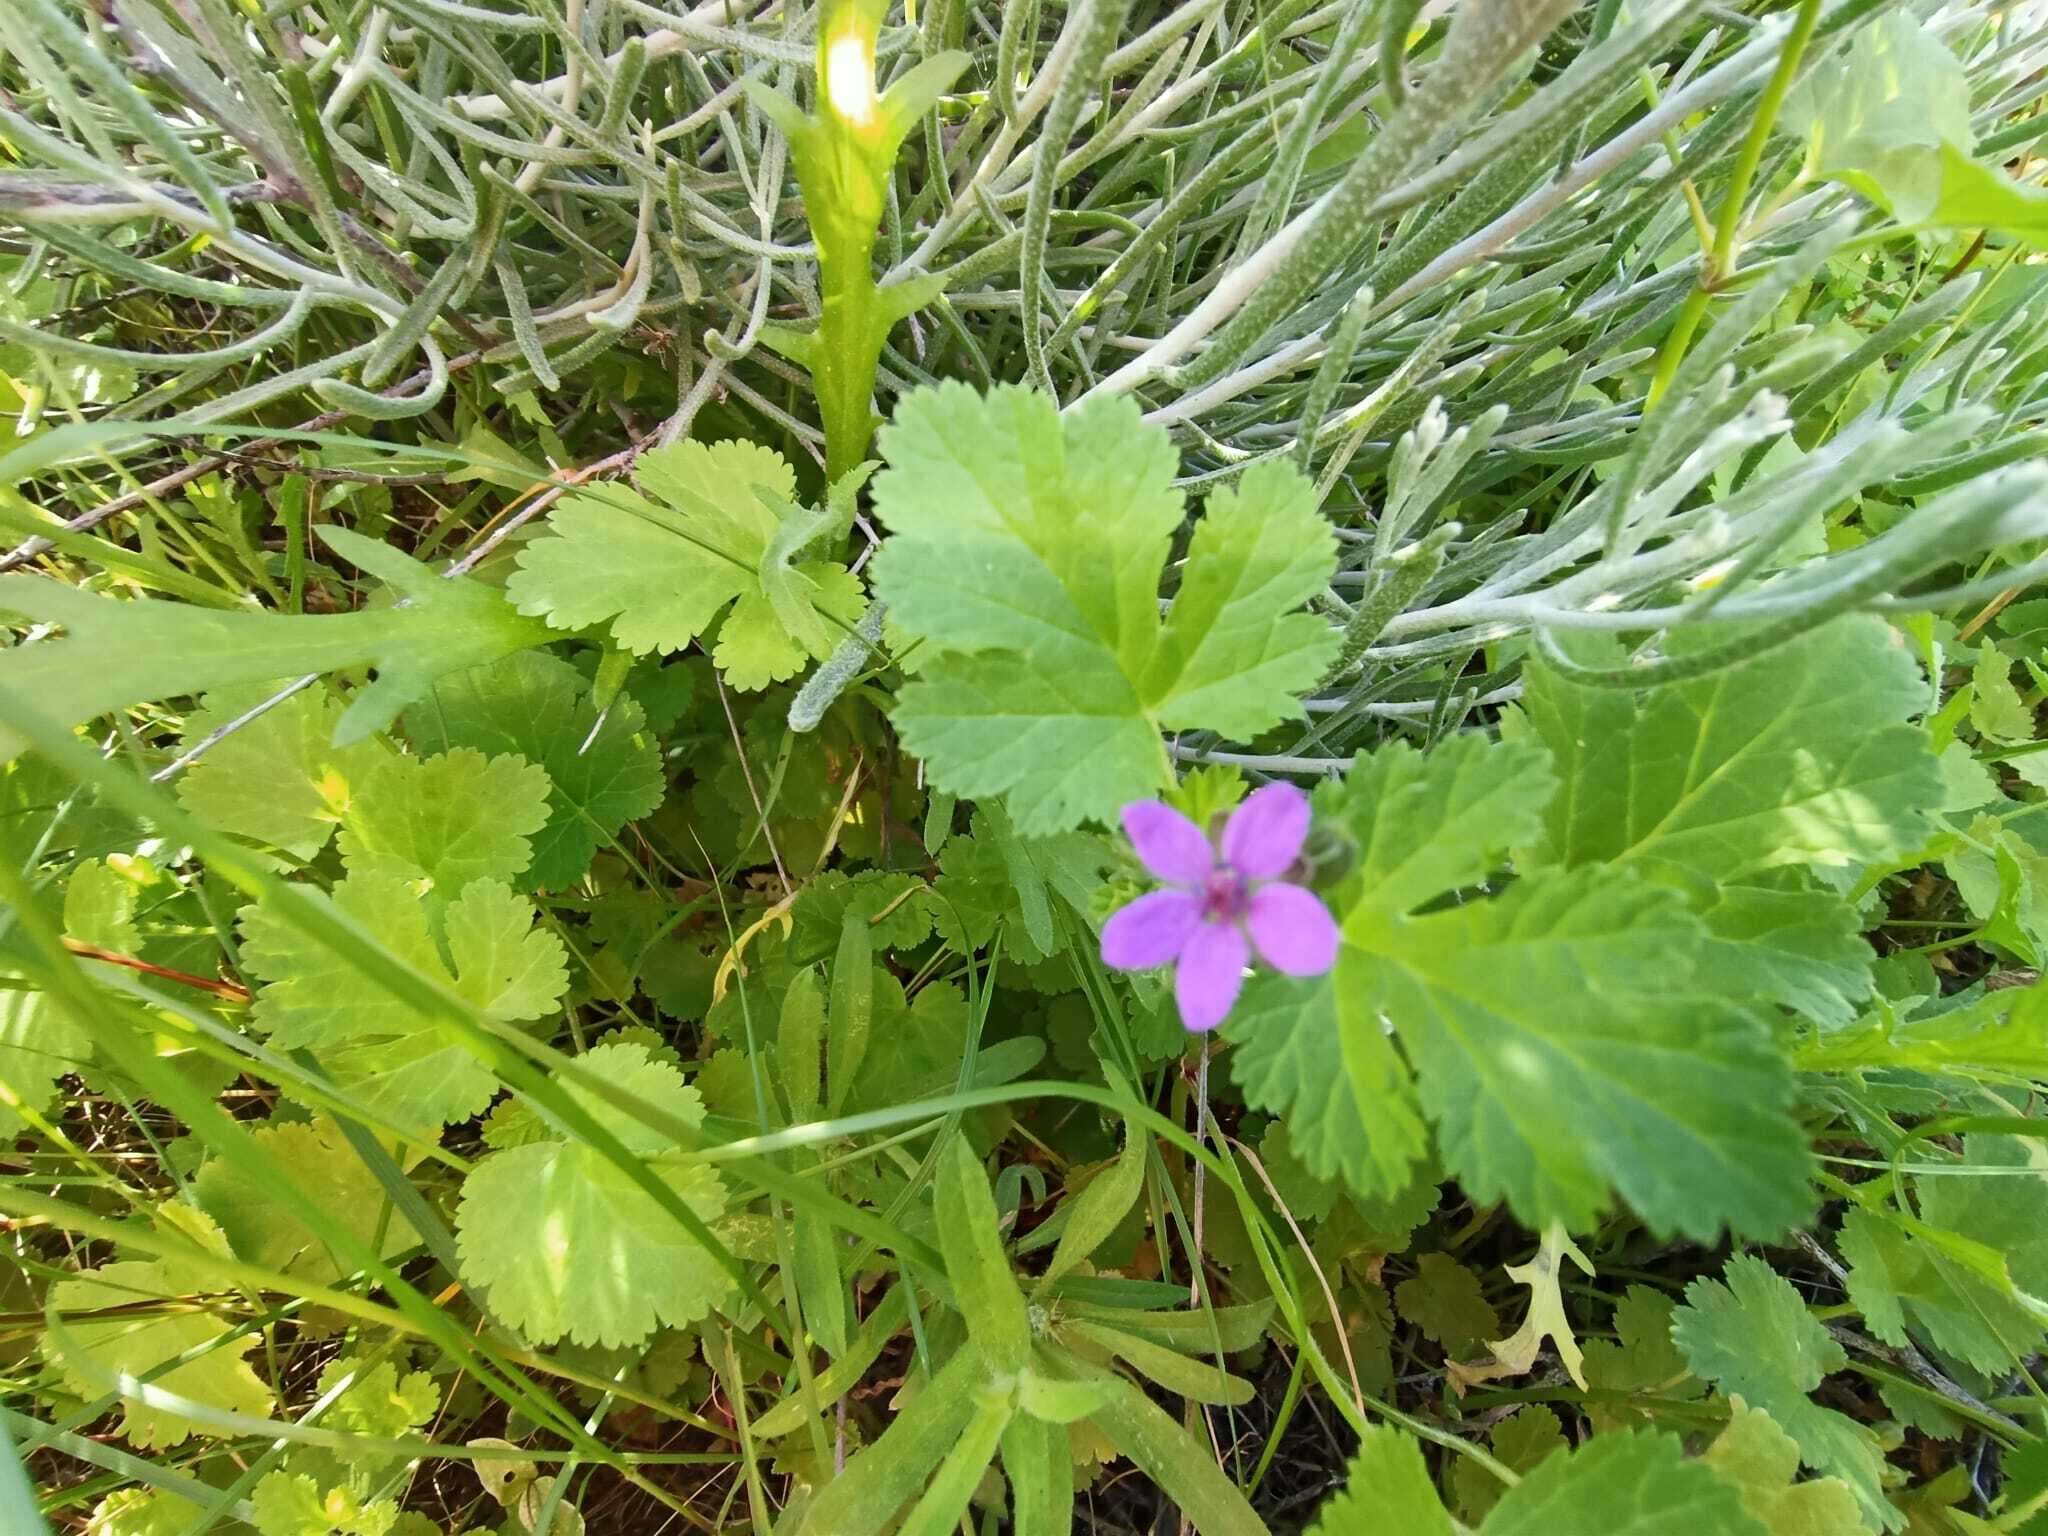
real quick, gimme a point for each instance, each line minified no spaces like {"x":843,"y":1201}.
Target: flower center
{"x":1223,"y":896}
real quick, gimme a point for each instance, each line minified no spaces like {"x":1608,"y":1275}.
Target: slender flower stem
{"x":1720,"y":261}
{"x":1201,"y":1170}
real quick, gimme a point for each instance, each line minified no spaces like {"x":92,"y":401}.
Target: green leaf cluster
{"x":1565,"y":952}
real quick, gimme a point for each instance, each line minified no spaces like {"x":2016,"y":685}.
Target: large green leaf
{"x":1350,"y":1105}
{"x":1890,"y":117}
{"x":1627,"y":1483}
{"x":1805,"y":756}
{"x":1876,"y":115}
{"x":2003,"y":1204}
{"x":262,"y":1226}
{"x":101,"y":899}
{"x":1563,"y":1052}
{"x":1979,"y":196}
{"x":1998,"y":1197}
{"x":1557,"y":1035}
{"x":2001,"y":1033}
{"x":1026,"y":552}
{"x":39,"y":1043}
{"x":1386,"y":1488}
{"x":1421,"y":826}
{"x":1780,"y":938}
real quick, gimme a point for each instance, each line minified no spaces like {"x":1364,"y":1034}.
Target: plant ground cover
{"x":824,"y":769}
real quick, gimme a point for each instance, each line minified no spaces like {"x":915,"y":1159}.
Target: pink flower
{"x":1219,"y":906}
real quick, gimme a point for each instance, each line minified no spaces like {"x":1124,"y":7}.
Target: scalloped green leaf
{"x":440,"y":822}
{"x":1625,"y":1484}
{"x":565,"y":1244}
{"x":1444,"y":1299}
{"x":128,"y":1318}
{"x":279,"y":780}
{"x":287,"y":1503}
{"x":661,"y":565}
{"x":604,"y":768}
{"x":1640,"y":1359}
{"x":376,"y":1399}
{"x":1630,"y":1483}
{"x":1751,"y":1335}
{"x":141,"y":1512}
{"x":1762,"y":1461}
{"x":395,"y":1060}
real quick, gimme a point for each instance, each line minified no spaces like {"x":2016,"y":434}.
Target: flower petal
{"x":1169,"y":845}
{"x":1210,"y":972}
{"x":1150,"y":931}
{"x":1264,"y":835}
{"x":1293,"y":930}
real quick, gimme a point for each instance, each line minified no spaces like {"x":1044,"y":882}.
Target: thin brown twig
{"x":229,"y":991}
{"x":1990,"y":611}
{"x":1963,"y":262}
